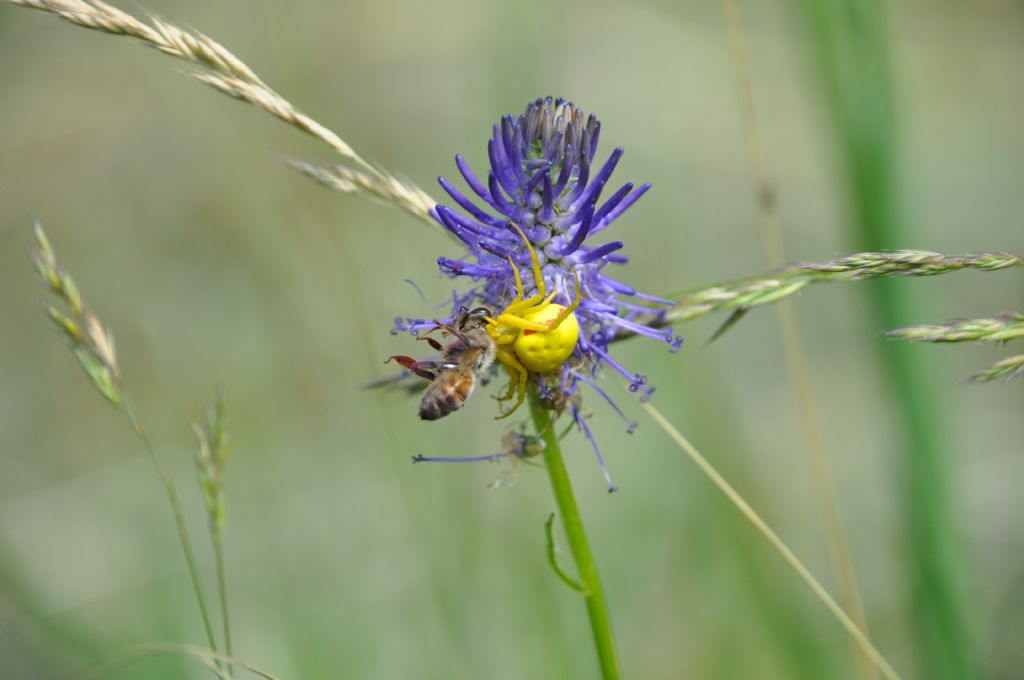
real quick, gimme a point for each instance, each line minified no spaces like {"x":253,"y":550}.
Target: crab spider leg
{"x":518,"y":302}
{"x":523,"y":324}
{"x":510,"y":389}
{"x":519,"y":282}
{"x":506,"y":338}
{"x":500,"y":338}
{"x":536,"y":303}
{"x":538,"y":277}
{"x":511,"y":318}
{"x":508,"y":358}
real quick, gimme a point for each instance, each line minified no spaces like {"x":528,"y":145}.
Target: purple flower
{"x":542,"y":180}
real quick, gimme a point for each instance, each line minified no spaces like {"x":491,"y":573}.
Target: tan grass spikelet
{"x":93,"y":347}
{"x":1010,"y":368}
{"x":998,"y":328}
{"x":741,"y":295}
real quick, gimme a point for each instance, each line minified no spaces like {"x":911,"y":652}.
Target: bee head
{"x":469,"y":319}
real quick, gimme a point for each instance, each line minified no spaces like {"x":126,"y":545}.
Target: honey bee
{"x":468,"y":355}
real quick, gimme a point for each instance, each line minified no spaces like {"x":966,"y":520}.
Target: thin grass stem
{"x":136,"y":654}
{"x":212,"y":449}
{"x":222,"y":587}
{"x":814,"y":448}
{"x":851,"y":42}
{"x":788,"y":555}
{"x":93,"y":346}
{"x":572,"y":522}
{"x":179,"y":520}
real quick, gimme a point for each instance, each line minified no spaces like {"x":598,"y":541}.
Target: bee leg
{"x":432,"y":342}
{"x":417,"y":367}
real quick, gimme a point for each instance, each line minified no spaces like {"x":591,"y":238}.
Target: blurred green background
{"x":216,"y":265}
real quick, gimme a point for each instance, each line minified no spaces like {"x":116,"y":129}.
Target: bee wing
{"x":404,"y":381}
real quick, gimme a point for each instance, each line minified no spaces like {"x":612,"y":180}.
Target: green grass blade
{"x":850,"y":43}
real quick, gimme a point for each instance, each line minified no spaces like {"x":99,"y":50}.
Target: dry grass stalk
{"x":223,"y":71}
{"x":814,"y":447}
{"x":393,"y":190}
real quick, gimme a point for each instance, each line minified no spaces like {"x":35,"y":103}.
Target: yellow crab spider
{"x":533,"y":334}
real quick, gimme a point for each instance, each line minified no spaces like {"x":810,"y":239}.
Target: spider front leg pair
{"x":533,"y":333}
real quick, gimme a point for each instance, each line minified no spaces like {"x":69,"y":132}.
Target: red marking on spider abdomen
{"x":530,"y":331}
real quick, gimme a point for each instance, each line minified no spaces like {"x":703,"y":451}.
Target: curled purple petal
{"x":586,"y":220}
{"x":622,"y":207}
{"x":500,"y":167}
{"x":631,"y":425}
{"x":547,"y":213}
{"x":599,"y":252}
{"x":497,"y":200}
{"x":599,"y":180}
{"x":582,"y":423}
{"x":468,"y":205}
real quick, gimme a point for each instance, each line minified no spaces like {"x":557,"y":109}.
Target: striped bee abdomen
{"x":446,"y":394}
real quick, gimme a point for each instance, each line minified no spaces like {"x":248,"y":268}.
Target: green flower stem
{"x":597,"y":607}
{"x":179,"y":520}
